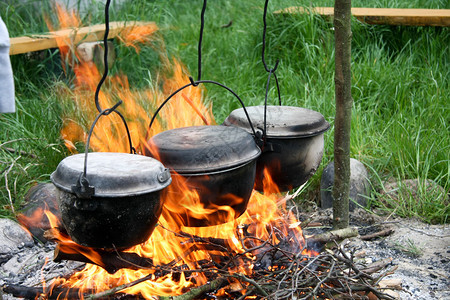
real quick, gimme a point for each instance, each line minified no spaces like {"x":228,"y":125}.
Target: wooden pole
{"x":343,"y":36}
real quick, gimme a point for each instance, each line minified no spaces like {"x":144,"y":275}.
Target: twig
{"x":319,"y":284}
{"x":16,"y":140}
{"x":252,"y":282}
{"x":21,"y":152}
{"x":119,"y":288}
{"x":376,"y":266}
{"x":195,"y":293}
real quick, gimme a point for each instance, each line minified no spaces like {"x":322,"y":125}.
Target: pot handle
{"x":82,"y":188}
{"x":196,"y":83}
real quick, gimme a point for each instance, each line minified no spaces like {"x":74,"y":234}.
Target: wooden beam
{"x":93,"y":33}
{"x":388,"y":16}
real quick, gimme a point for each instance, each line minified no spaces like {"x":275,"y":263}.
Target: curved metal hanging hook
{"x":105,"y":74}
{"x":200,"y":39}
{"x":105,"y":57}
{"x":264,"y":41}
{"x":263,"y":53}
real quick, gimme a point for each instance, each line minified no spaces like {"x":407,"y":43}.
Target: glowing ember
{"x":265,"y":221}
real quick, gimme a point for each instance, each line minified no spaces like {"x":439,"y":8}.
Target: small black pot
{"x":293,"y":142}
{"x":218,"y":162}
{"x":124,"y":204}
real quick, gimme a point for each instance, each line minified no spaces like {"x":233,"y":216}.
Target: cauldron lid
{"x":113,"y":174}
{"x":282,"y":121}
{"x":203,"y":149}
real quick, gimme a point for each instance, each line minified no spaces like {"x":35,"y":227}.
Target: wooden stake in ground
{"x":343,"y":36}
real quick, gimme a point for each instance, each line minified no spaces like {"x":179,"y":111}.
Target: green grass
{"x":400,"y":121}
{"x":410,"y":248}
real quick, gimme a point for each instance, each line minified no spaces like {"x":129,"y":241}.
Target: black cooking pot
{"x":218,"y":162}
{"x":120,"y":205}
{"x":292,"y":142}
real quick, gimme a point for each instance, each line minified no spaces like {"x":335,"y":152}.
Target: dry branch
{"x":335,"y":235}
{"x":381,"y":233}
{"x":377,"y":266}
{"x":195,"y":293}
{"x":20,"y":291}
{"x":111,"y":261}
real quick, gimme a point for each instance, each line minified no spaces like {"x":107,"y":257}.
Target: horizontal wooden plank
{"x":388,"y":16}
{"x":93,"y":33}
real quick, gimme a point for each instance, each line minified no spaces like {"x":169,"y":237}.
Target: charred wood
{"x":110,"y":261}
{"x":378,"y":234}
{"x":20,"y":291}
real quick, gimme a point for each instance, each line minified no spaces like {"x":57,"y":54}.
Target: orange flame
{"x":137,"y":35}
{"x":187,"y":108}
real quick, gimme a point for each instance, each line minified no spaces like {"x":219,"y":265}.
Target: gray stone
{"x":12,"y":238}
{"x":359,"y":185}
{"x":39,"y":198}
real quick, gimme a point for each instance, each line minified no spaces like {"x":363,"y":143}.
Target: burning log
{"x":21,"y":291}
{"x":110,"y":261}
{"x":199,"y":291}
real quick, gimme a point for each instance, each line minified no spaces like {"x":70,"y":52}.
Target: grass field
{"x":401,"y":110}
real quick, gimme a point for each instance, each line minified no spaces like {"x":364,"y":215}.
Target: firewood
{"x":110,"y":261}
{"x":393,"y":284}
{"x":376,"y":266}
{"x":381,"y":233}
{"x":195,"y":293}
{"x":20,"y":291}
{"x":335,"y":235}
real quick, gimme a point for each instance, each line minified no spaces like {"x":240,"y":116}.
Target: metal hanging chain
{"x":266,"y":4}
{"x":102,"y":80}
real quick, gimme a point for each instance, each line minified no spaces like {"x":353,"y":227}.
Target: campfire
{"x":261,"y":253}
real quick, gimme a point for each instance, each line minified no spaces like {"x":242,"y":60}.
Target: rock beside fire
{"x":39,"y":198}
{"x":12,"y":238}
{"x":359,"y":185}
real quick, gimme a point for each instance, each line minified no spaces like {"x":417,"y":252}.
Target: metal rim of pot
{"x":204,"y":149}
{"x":286,"y":122}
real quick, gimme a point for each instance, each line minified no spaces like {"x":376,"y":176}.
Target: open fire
{"x":175,"y":258}
{"x":259,"y":254}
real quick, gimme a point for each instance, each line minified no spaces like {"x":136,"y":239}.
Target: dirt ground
{"x":421,"y":251}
